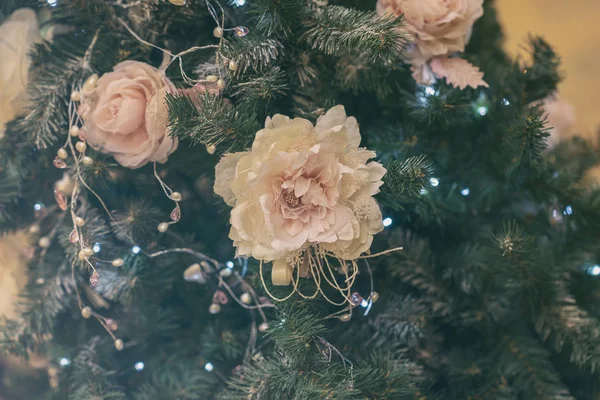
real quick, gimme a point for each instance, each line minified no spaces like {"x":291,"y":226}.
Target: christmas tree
{"x":398,"y":228}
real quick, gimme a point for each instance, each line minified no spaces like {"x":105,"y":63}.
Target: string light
{"x":96,"y":247}
{"x":229,"y":264}
{"x":37,"y":206}
{"x":568,"y":210}
{"x":429,"y":91}
{"x":139,"y":366}
{"x":364,"y":303}
{"x":594,"y":270}
{"x":64,"y":362}
{"x":387,"y":222}
{"x":505,"y":102}
{"x":209,"y":366}
{"x":136,"y":249}
{"x":434,"y":182}
{"x":52,"y":3}
{"x":482,"y":111}
{"x":465,"y":191}
{"x":423,"y":191}
{"x":239,"y":3}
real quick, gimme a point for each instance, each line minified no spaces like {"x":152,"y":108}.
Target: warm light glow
{"x":387,"y":222}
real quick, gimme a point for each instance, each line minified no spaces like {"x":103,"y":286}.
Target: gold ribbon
{"x":281,"y":274}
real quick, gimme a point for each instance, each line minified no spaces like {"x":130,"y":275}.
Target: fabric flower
{"x":302,"y":185}
{"x":439,"y":28}
{"x":17,"y":35}
{"x":126,"y":115}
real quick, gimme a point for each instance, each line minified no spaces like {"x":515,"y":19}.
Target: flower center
{"x":291,"y":199}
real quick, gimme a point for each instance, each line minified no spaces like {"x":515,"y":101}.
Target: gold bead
{"x":375,"y":297}
{"x":212,"y":78}
{"x":80,"y":146}
{"x":44,"y":242}
{"x":79,"y":221}
{"x":76,"y":96}
{"x":246,"y":298}
{"x":218,"y":32}
{"x":117,"y":262}
{"x":176,"y":196}
{"x":74,"y":131}
{"x":90,"y":83}
{"x":62,"y":153}
{"x":86,"y":312}
{"x":194,"y":273}
{"x":233,"y":65}
{"x":345,"y":317}
{"x":263,"y":327}
{"x":220,"y":83}
{"x":214,"y":308}
{"x":163,"y":226}
{"x":178,"y":2}
{"x":85,"y":253}
{"x":87,"y":160}
{"x":211,"y":148}
{"x":119,"y":344}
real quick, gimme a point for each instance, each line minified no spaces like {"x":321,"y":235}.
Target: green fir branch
{"x":340,"y":29}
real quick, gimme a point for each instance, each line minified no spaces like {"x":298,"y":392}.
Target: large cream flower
{"x":301,"y":185}
{"x":17,"y":35}
{"x":126,"y":115}
{"x":438,"y":29}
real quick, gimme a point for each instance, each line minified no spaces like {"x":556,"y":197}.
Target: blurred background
{"x":573,"y":28}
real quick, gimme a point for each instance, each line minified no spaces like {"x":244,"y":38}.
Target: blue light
{"x":136,"y":249}
{"x":64,"y":362}
{"x":434,"y":182}
{"x":465,"y":192}
{"x":37,"y":206}
{"x":208,"y":366}
{"x":505,"y":102}
{"x":387,"y":222}
{"x":482,"y":111}
{"x":229,"y":264}
{"x":52,"y":3}
{"x":594,"y":270}
{"x":139,"y":366}
{"x":568,"y":210}
{"x":96,"y":247}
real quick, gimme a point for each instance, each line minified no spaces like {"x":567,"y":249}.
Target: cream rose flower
{"x":302,"y":185}
{"x":438,"y":29}
{"x":126,"y":115}
{"x":17,"y":35}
